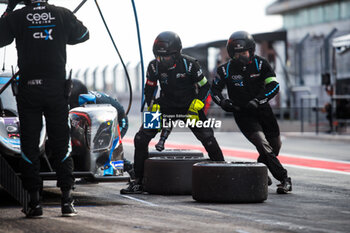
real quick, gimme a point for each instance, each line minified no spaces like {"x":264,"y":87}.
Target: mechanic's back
{"x":42,"y":32}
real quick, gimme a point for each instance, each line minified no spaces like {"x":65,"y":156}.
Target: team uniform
{"x":42,"y":32}
{"x":179,"y":87}
{"x":183,"y":91}
{"x":256,"y":80}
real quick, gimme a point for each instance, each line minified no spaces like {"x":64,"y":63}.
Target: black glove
{"x":11,"y":6}
{"x":228,"y":106}
{"x":253,"y":104}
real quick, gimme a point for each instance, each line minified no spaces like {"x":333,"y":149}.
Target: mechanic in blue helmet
{"x":41,"y":32}
{"x":79,"y":88}
{"x":251,"y":83}
{"x":184,"y":88}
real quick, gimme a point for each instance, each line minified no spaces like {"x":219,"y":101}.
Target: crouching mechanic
{"x":183,"y":90}
{"x":251,"y":83}
{"x":41,"y":48}
{"x":79,"y":88}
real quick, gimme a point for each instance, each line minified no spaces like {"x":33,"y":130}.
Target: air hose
{"x":79,"y":6}
{"x":141,"y":56}
{"x":120,"y":57}
{"x":3,"y":64}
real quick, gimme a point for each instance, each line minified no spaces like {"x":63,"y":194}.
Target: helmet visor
{"x":244,"y":57}
{"x":166,"y":61}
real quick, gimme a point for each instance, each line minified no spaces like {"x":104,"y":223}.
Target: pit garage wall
{"x":313,"y":59}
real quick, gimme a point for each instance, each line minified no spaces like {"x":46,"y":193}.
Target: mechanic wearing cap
{"x":251,"y":83}
{"x":79,"y":88}
{"x":42,"y":32}
{"x":183,"y":90}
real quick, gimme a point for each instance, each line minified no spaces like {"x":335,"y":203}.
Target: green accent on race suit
{"x":202,"y":82}
{"x":270,"y":79}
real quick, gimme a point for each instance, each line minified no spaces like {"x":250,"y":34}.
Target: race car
{"x":97,"y":149}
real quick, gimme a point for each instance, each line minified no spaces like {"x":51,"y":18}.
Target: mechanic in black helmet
{"x":183,"y":91}
{"x":251,"y":83}
{"x":79,"y":88}
{"x":42,"y":32}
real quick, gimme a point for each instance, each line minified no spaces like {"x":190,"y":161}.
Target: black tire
{"x":176,"y":153}
{"x":171,"y":175}
{"x":230,"y":182}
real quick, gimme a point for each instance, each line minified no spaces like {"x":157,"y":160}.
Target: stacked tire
{"x":170,"y":175}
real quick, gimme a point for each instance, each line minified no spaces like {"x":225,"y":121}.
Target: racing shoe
{"x":67,"y":208}
{"x":285,"y":186}
{"x":34,"y":211}
{"x":135,"y":187}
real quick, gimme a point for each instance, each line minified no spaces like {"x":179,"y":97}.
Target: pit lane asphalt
{"x":319,"y":202}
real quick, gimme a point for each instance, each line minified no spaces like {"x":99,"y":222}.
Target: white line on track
{"x":139,"y":200}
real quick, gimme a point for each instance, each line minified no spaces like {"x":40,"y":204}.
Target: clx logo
{"x":151,"y":120}
{"x":43,"y":35}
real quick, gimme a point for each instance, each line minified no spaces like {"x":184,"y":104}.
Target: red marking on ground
{"x":285,"y":159}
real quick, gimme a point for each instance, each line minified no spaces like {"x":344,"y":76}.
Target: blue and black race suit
{"x":180,"y":85}
{"x":255,"y":81}
{"x":42,"y":32}
{"x":244,"y":83}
